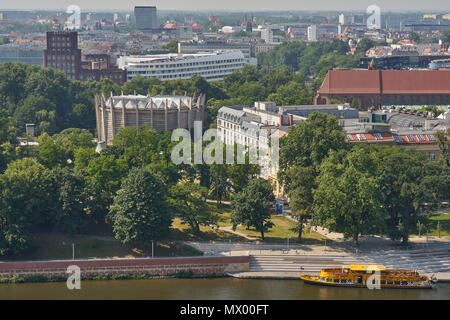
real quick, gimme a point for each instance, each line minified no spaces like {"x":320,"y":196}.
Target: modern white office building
{"x":213,"y":46}
{"x":211,"y":66}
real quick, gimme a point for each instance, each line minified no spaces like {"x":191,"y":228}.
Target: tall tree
{"x":74,"y":200}
{"x":253,"y":206}
{"x":140,"y":212}
{"x":346,"y":198}
{"x":300,"y":185}
{"x":310,"y":141}
{"x":50,"y":153}
{"x":28,"y":200}
{"x":410,"y":184}
{"x":188,"y":201}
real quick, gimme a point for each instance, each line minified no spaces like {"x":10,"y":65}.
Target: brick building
{"x":62,"y":53}
{"x":386,"y":87}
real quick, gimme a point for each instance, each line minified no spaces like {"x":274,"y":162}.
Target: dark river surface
{"x":207,"y":289}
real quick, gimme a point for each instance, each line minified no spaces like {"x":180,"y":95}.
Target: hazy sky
{"x":235,"y":5}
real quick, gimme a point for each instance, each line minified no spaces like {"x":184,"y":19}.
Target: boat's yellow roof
{"x":365,"y":267}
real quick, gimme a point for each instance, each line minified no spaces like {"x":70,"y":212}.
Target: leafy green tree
{"x":253,"y":206}
{"x":445,"y":36}
{"x":310,"y":141}
{"x":414,"y":37}
{"x":410,"y":184}
{"x":365,"y":44}
{"x":172,"y":46}
{"x":28,"y":200}
{"x":300,"y":186}
{"x":188,"y":201}
{"x":82,"y":157}
{"x":139,"y":146}
{"x":51,"y":154}
{"x":7,"y":130}
{"x":292,"y":93}
{"x":38,"y":110}
{"x":105,"y":177}
{"x":346,"y":200}
{"x":73,"y":138}
{"x":240,"y":174}
{"x":355,"y":104}
{"x":220,"y":184}
{"x":140,"y":212}
{"x":7,"y":140}
{"x":74,"y":200}
{"x":444,"y":146}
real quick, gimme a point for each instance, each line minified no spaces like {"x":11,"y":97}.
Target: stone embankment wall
{"x":157,"y":266}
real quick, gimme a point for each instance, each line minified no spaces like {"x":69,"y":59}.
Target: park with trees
{"x":131,"y":191}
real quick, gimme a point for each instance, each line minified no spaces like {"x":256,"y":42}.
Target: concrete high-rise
{"x":145,"y":18}
{"x":312,"y":33}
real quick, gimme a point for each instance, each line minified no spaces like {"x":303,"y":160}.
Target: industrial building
{"x":211,"y":66}
{"x":158,"y":112}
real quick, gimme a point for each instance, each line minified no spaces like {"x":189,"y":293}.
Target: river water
{"x":206,"y":289}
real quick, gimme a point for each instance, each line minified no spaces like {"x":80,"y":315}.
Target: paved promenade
{"x":283,"y":262}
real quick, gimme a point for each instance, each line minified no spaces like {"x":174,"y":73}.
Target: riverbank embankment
{"x":158,"y":267}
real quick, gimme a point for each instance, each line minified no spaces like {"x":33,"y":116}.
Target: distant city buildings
{"x":211,"y":66}
{"x":253,"y":126}
{"x":267,"y":35}
{"x":22,"y":53}
{"x":62,"y":53}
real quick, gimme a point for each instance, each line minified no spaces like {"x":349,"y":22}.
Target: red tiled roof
{"x":416,"y":81}
{"x":392,"y":82}
{"x":369,"y":137}
{"x":398,"y":138}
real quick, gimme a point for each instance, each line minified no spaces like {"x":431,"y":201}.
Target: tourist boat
{"x":369,"y":276}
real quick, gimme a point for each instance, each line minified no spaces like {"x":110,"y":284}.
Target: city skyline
{"x":233,"y":5}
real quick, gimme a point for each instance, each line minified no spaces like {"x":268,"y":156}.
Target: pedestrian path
{"x":230,"y":230}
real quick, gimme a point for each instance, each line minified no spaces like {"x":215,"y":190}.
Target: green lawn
{"x":430,"y":224}
{"x":224,"y":212}
{"x":282,"y":230}
{"x":183,"y":232}
{"x":58,"y":246}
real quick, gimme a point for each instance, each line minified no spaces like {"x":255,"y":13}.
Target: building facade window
{"x":432,"y":156}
